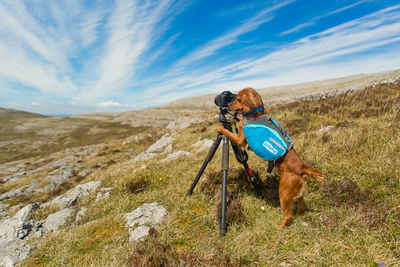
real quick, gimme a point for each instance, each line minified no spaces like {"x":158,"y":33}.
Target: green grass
{"x":352,"y":218}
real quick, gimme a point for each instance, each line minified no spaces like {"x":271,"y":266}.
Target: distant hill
{"x":295,"y":92}
{"x":12,"y":114}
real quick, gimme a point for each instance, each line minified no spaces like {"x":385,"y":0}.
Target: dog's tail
{"x":312,"y":173}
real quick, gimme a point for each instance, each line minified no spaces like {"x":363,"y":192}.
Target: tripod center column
{"x":225,"y":167}
{"x":225,"y":154}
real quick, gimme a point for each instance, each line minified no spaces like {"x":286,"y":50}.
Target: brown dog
{"x":291,"y":167}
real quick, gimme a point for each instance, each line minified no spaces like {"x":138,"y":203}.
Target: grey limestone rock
{"x":86,"y":172}
{"x":12,"y":232}
{"x":160,"y":144}
{"x":143,"y":218}
{"x":177,"y":154}
{"x":104,"y":193}
{"x":57,"y":219}
{"x":203,"y":144}
{"x":73,"y":195}
{"x":80,"y":215}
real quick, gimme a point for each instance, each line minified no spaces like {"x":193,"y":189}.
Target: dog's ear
{"x":245,"y":103}
{"x":254,"y":100}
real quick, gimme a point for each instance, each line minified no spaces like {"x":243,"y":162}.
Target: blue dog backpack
{"x":267,"y":137}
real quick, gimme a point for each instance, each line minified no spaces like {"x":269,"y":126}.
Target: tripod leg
{"x":225,"y":167}
{"x":242,"y":157}
{"x":253,"y":181}
{"x":209,"y":156}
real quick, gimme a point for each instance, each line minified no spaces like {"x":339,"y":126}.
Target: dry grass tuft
{"x":360,"y":209}
{"x":234,"y":209}
{"x":211,"y":187}
{"x":155,"y":253}
{"x":271,"y":190}
{"x":344,"y":191}
{"x":237,"y":179}
{"x":136,"y":186}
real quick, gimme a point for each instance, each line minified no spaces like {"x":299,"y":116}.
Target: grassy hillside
{"x":12,"y":114}
{"x":353,"y":216}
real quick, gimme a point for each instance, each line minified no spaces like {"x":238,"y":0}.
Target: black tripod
{"x":241,"y":157}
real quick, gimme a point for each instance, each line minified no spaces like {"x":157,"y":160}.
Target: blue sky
{"x":75,"y":56}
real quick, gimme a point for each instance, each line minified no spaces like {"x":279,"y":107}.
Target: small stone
{"x":80,"y":215}
{"x":139,"y":233}
{"x":86,"y":172}
{"x":327,"y":128}
{"x":106,"y":189}
{"x":57,"y":219}
{"x":102,"y":195}
{"x":168,"y":149}
{"x":305,"y":224}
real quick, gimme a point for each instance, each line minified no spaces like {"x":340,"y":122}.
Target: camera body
{"x":223,"y":99}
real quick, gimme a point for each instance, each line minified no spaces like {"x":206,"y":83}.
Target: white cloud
{"x":108,"y":104}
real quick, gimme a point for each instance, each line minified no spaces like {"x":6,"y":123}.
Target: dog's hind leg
{"x":301,"y":205}
{"x":290,"y":187}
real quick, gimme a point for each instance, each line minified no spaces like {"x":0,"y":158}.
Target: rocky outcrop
{"x":177,"y":154}
{"x":16,"y":229}
{"x":203,"y":144}
{"x":183,"y":123}
{"x":72,"y":196}
{"x":158,"y":146}
{"x":13,"y":231}
{"x":142,"y":219}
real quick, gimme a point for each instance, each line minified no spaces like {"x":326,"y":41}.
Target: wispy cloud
{"x":231,"y":36}
{"x":314,"y":20}
{"x":306,"y":56}
{"x":132,"y":30}
{"x":299,"y":27}
{"x":374,"y":30}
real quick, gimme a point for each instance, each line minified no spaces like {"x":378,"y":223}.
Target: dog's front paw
{"x":220,"y":129}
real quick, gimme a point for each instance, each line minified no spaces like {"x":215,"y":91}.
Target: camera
{"x":223,"y":99}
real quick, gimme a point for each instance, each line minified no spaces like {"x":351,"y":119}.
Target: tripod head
{"x":226,"y":123}
{"x":240,"y":154}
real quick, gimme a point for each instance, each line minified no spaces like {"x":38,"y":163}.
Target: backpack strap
{"x":282,"y":129}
